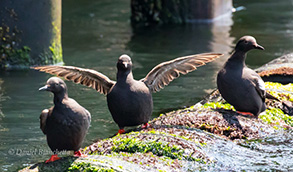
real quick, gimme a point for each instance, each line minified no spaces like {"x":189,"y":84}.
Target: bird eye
{"x":245,"y":42}
{"x":57,"y":84}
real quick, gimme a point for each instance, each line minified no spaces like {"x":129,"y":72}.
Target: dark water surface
{"x":96,"y":33}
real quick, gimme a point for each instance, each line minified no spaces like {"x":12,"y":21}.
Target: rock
{"x":278,"y":70}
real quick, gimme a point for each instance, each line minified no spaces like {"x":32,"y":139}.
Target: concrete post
{"x":30,"y":33}
{"x":146,"y":12}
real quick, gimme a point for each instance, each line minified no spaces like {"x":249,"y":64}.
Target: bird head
{"x":55,"y":85}
{"x":247,"y":43}
{"x":124,"y":63}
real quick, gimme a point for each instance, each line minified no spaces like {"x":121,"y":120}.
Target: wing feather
{"x":165,"y":72}
{"x":43,"y":119}
{"x":259,"y":85}
{"x":87,"y":77}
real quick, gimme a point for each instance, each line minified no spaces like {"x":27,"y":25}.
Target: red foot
{"x":146,"y":125}
{"x":79,"y":154}
{"x":121,"y":131}
{"x":245,"y":113}
{"x":53,"y":158}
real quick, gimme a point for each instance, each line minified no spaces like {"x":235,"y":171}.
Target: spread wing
{"x":164,"y":73}
{"x":87,"y":77}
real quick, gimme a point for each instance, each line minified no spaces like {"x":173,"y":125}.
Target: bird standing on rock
{"x":64,"y":124}
{"x":130,"y":101}
{"x":239,"y":85}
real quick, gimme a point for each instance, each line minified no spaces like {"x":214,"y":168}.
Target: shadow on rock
{"x":230,"y":117}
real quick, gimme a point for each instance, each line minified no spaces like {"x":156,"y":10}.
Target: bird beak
{"x":258,"y":47}
{"x":44,"y":88}
{"x":125,"y":64}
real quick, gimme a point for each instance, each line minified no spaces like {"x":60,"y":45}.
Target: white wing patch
{"x":261,"y":84}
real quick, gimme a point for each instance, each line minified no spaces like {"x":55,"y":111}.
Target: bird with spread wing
{"x":130,"y":101}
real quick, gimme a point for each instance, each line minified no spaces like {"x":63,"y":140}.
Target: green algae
{"x":153,"y":131}
{"x":87,"y":167}
{"x":11,"y":56}
{"x":215,"y":105}
{"x":166,"y":161}
{"x":158,"y":148}
{"x":56,"y":48}
{"x":53,"y":54}
{"x":277,"y":118}
{"x":282,"y":96}
{"x":278,"y":86}
{"x":56,"y":51}
{"x":282,"y":92}
{"x":155,"y":144}
{"x":152,"y":148}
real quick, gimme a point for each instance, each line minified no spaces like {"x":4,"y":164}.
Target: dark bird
{"x":64,"y":124}
{"x":130,"y":101}
{"x":239,"y":85}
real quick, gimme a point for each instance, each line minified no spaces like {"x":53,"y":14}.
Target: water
{"x":96,"y":33}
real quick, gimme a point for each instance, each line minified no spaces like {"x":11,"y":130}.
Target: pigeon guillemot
{"x":239,"y":85}
{"x":64,"y":124}
{"x":130,"y":101}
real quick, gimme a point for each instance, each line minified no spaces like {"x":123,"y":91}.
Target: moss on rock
{"x":277,"y":118}
{"x":14,"y":57}
{"x":215,"y":105}
{"x":279,"y":86}
{"x":158,"y":143}
{"x":87,"y":167}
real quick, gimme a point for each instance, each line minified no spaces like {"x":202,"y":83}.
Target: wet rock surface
{"x":278,"y":70}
